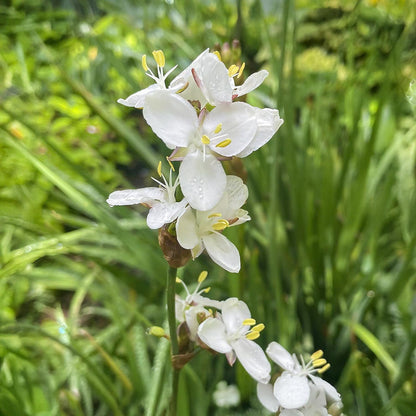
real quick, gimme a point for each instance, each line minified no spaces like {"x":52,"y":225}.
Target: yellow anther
{"x":316,"y":355}
{"x":157,"y":331}
{"x":258,"y":327}
{"x":205,"y":139}
{"x":159,"y":58}
{"x":170,"y":163}
{"x":220,"y":225}
{"x":249,"y":321}
{"x":253,"y":335}
{"x":232,"y":70}
{"x":215,"y":214}
{"x":178,"y":280}
{"x":324,"y":368}
{"x":217,"y":54}
{"x":240,"y":71}
{"x":144,"y":63}
{"x":183,"y":88}
{"x":207,"y":289}
{"x":224,"y":143}
{"x":202,"y":276}
{"x":159,"y":168}
{"x":218,"y":128}
{"x":319,"y":362}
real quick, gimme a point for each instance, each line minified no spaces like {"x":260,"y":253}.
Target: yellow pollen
{"x":207,"y":289}
{"x":202,"y":276}
{"x":316,"y":355}
{"x":217,"y":54}
{"x":144,"y":63}
{"x":205,"y":139}
{"x":218,"y":128}
{"x":224,"y":143}
{"x":220,"y":225}
{"x":258,"y":327}
{"x":232,"y":70}
{"x":253,"y":335}
{"x":215,"y":214}
{"x":249,"y":321}
{"x":183,"y":88}
{"x":170,"y":163}
{"x":240,"y":71}
{"x":324,"y":368}
{"x":178,"y":280}
{"x":159,"y":168}
{"x":159,"y":58}
{"x":157,"y":331}
{"x":319,"y":362}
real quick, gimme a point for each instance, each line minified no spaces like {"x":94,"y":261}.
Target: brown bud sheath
{"x":174,"y":254}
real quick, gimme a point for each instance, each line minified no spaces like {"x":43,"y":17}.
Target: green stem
{"x":170,"y":300}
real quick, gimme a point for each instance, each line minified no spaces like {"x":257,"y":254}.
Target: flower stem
{"x":170,"y":300}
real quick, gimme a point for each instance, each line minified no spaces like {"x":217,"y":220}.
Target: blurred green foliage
{"x":328,"y":258}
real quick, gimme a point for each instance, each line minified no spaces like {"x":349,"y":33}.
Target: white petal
{"x":222,"y":251}
{"x":136,"y":196}
{"x":253,"y":359}
{"x":171,"y":117}
{"x":239,"y":124}
{"x":215,"y":80}
{"x":280,"y":356}
{"x":266,"y":397}
{"x":202,"y":180}
{"x":186,"y":230}
{"x":202,"y":300}
{"x":234,"y":312}
{"x":292,"y":391}
{"x":137,"y":99}
{"x":268,"y":122}
{"x":251,"y":83}
{"x":329,"y":390}
{"x":294,"y":412}
{"x":235,"y":195}
{"x":212,"y":333}
{"x":165,"y":213}
{"x":191,"y":316}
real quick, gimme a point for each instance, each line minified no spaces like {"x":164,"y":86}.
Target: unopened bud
{"x":174,"y":254}
{"x":156,"y":331}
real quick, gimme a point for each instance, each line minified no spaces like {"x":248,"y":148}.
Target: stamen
{"x":218,"y":55}
{"x":144,"y":63}
{"x":324,"y":368}
{"x":220,"y":225}
{"x":202,"y":276}
{"x":258,"y":327}
{"x":232,"y":70}
{"x":170,"y":163}
{"x":159,"y":58}
{"x":316,"y":355}
{"x":207,"y":289}
{"x":215,"y":214}
{"x":224,"y":143}
{"x":249,"y":321}
{"x":178,"y":280}
{"x":205,"y":139}
{"x":183,"y":88}
{"x":252,"y":335}
{"x":159,"y":168}
{"x":319,"y":362}
{"x":218,"y":128}
{"x":240,"y":72}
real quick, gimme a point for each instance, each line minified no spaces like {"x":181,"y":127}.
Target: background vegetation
{"x":328,"y":258}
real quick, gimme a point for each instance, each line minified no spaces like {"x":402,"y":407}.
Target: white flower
{"x":230,"y":334}
{"x":235,"y":129}
{"x":199,"y":230}
{"x":162,"y":202}
{"x":293,"y":389}
{"x":210,"y":81}
{"x":191,"y":308}
{"x":226,"y":396}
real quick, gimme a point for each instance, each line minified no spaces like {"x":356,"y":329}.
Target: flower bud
{"x":174,"y":254}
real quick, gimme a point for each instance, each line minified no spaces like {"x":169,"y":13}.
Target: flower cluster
{"x":196,"y":116}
